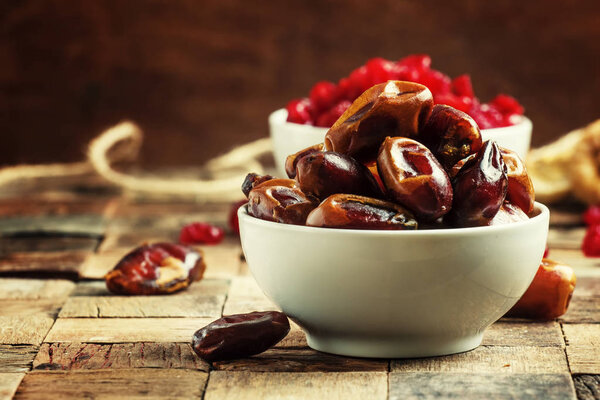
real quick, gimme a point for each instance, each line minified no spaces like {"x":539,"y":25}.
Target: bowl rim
{"x":543,"y":213}
{"x":279,"y":116}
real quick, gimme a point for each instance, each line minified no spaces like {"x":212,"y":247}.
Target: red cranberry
{"x":359,"y":80}
{"x":507,"y":105}
{"x":380,"y":70}
{"x":299,"y":111}
{"x":328,"y":118}
{"x":436,"y":81}
{"x":592,"y":215}
{"x":591,"y":242}
{"x":462,"y":103}
{"x":201,"y":233}
{"x":344,"y":89}
{"x":417,"y":61}
{"x":462,"y":86}
{"x":234,"y":224}
{"x":323,"y":95}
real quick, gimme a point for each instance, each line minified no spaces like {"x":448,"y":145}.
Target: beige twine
{"x":123,"y":141}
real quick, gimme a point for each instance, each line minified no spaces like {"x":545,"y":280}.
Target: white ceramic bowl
{"x":289,"y":138}
{"x":394,"y":294}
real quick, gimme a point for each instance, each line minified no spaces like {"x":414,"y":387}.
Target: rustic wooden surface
{"x":63,"y":335}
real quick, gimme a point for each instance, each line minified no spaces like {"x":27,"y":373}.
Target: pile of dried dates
{"x":394,"y":160}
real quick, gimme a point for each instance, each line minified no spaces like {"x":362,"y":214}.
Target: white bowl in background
{"x":289,"y":138}
{"x":394,"y":294}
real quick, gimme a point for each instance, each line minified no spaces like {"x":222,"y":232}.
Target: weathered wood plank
{"x":300,"y":360}
{"x":584,"y":266}
{"x":125,"y":330}
{"x":59,"y":262}
{"x":512,"y":333}
{"x":59,"y":204}
{"x":89,"y":225}
{"x":34,"y":289}
{"x":36,"y":243}
{"x":9,"y":382}
{"x":491,"y":359}
{"x":27,"y":321}
{"x":96,"y":265}
{"x":563,"y":238}
{"x":583,"y":347}
{"x":82,"y":356}
{"x":145,"y":383}
{"x":244,"y":385}
{"x":587,"y":387}
{"x":587,"y":286}
{"x":16,"y":358}
{"x":223,"y":260}
{"x":205,"y":287}
{"x":431,"y":385}
{"x":583,"y":309}
{"x":175,"y":305}
{"x":245,"y":296}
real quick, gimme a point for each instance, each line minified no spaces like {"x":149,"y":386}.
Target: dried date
{"x":479,"y":188}
{"x":280,"y":200}
{"x":240,"y":336}
{"x":159,"y":268}
{"x":507,"y":214}
{"x":520,"y":189}
{"x":325,"y":173}
{"x":394,"y":108}
{"x":252,"y":180}
{"x":292,"y":160}
{"x":414,"y":178}
{"x":359,"y":212}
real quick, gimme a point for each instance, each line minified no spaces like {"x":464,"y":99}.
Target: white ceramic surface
{"x":289,"y":138}
{"x":394,"y":294}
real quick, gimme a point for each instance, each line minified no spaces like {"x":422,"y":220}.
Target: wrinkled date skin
{"x":280,"y":200}
{"x":253,"y":179}
{"x":159,"y":268}
{"x":450,"y":134}
{"x":479,"y":188}
{"x":549,"y":294}
{"x":359,"y":212}
{"x":520,"y":189}
{"x":292,"y":160}
{"x":240,"y":336}
{"x":327,"y":173}
{"x":394,"y":108}
{"x":414,"y":178}
{"x":507,"y":214}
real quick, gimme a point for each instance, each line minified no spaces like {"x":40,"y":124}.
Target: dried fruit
{"x":201,"y":233}
{"x":592,"y":215}
{"x":479,"y":188}
{"x":414,"y":178}
{"x":241,"y":335}
{"x":292,"y":159}
{"x":253,"y":179}
{"x":159,"y":268}
{"x":326,"y":173}
{"x":323,"y":95}
{"x":234,"y":223}
{"x":280,"y":200}
{"x":450,"y":134}
{"x":299,"y":111}
{"x":393,"y":108}
{"x":359,"y":212}
{"x":507,"y":214}
{"x":520,"y":189}
{"x":549,"y":294}
{"x":591,"y":242}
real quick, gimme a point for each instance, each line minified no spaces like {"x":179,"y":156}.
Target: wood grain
{"x":583,"y":309}
{"x":86,"y":225}
{"x":491,"y":359}
{"x":307,"y":385}
{"x":205,"y":287}
{"x":9,"y":382}
{"x":587,"y":387}
{"x":27,"y":321}
{"x":66,"y":263}
{"x":83,"y":356}
{"x":34,"y":289}
{"x":34,"y":243}
{"x":144,"y":383}
{"x":16,"y":358}
{"x":125,"y":330}
{"x":511,"y":333}
{"x":475,"y":386}
{"x":583,"y":347}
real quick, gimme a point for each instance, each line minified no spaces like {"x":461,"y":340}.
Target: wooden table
{"x":63,"y":335}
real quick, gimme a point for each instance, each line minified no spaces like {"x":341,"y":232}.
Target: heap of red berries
{"x":328,"y":101}
{"x":591,"y":241}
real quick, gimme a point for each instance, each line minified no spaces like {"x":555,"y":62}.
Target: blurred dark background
{"x":201,"y":76}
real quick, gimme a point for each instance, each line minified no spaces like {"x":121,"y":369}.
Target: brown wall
{"x":201,"y":76}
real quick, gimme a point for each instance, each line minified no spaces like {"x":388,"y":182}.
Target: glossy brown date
{"x":359,"y":212}
{"x":253,"y":179}
{"x":159,"y":268}
{"x":394,"y":108}
{"x":414,"y":178}
{"x":280,"y":200}
{"x":326,"y":173}
{"x":507,"y":214}
{"x":520,"y":189}
{"x":479,"y":188}
{"x":450,"y":134}
{"x":292,"y":160}
{"x":241,"y":335}
{"x":549,"y":294}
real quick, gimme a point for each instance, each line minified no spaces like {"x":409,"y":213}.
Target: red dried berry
{"x":546,"y":252}
{"x":379,"y":70}
{"x":299,"y":111}
{"x":328,"y":118}
{"x":507,"y":105}
{"x":201,"y":233}
{"x":234,"y":223}
{"x":591,"y":242}
{"x":436,"y":81}
{"x":462,"y":103}
{"x":344,"y":89}
{"x":462,"y":86}
{"x":359,"y":81}
{"x":322,"y":96}
{"x":592,"y":215}
{"x":420,"y":62}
